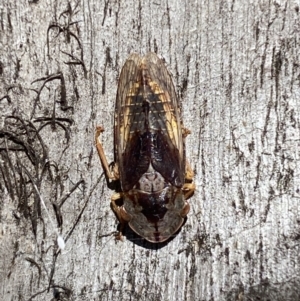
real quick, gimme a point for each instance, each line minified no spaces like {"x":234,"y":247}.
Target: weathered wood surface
{"x":235,"y":66}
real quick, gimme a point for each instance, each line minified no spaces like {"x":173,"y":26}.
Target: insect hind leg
{"x":122,"y":215}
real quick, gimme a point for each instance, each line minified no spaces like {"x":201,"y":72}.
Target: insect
{"x":149,"y":143}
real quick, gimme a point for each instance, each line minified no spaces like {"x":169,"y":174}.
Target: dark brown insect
{"x":149,"y":151}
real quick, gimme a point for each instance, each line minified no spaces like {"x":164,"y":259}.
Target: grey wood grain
{"x":235,"y":65}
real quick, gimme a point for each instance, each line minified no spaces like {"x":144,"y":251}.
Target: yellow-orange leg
{"x":188,"y":190}
{"x":185,"y":210}
{"x":185,"y":132}
{"x":189,"y":173}
{"x":189,"y":187}
{"x":113,"y":175}
{"x":122,"y":215}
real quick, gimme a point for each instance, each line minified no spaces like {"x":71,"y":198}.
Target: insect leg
{"x":188,"y":190}
{"x":189,"y":187}
{"x":185,"y":210}
{"x":189,"y":173}
{"x":111,"y":175}
{"x":122,"y":215}
{"x":185,"y":132}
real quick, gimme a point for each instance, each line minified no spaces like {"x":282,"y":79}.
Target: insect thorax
{"x":151,"y":181}
{"x":154,"y":197}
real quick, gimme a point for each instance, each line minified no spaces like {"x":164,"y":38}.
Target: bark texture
{"x":235,"y":65}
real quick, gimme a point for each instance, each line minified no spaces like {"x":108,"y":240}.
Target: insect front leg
{"x":111,"y":174}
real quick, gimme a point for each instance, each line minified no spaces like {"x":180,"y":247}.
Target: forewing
{"x":162,"y":84}
{"x":127,"y":90}
{"x":147,"y":104}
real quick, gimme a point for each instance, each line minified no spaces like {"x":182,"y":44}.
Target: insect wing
{"x":171,"y":122}
{"x":165,"y":112}
{"x":127,"y":90}
{"x":147,"y":111}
